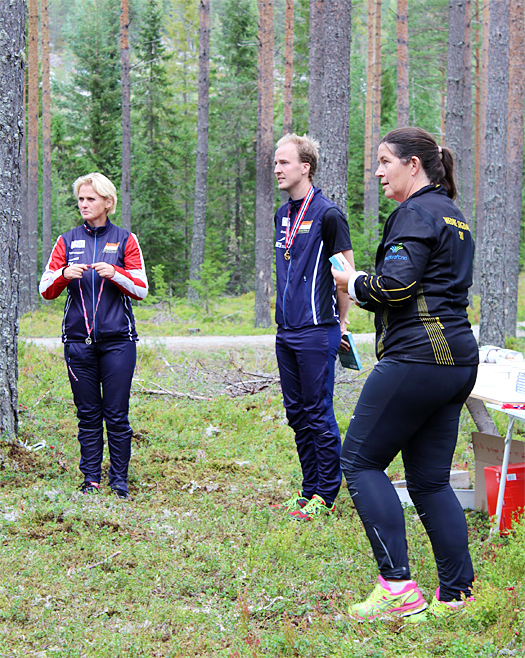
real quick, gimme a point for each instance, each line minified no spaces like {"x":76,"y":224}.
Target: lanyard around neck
{"x":88,"y":328}
{"x":290,"y":234}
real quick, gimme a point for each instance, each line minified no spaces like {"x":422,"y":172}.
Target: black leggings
{"x":415,"y":408}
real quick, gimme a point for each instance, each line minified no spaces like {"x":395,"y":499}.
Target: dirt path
{"x":196,"y":343}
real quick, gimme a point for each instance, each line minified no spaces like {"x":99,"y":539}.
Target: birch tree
{"x":492,"y":322}
{"x":265,"y":152}
{"x":12,"y":47}
{"x":201,"y":166}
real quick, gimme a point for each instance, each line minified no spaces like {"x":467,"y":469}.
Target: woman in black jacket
{"x":427,"y":367}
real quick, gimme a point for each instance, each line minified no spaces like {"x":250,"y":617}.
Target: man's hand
{"x":105,"y":270}
{"x":74,"y":271}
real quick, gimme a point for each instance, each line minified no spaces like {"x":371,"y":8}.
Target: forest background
{"x":405,"y":67}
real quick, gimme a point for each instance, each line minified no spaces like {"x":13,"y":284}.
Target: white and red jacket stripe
{"x":113,"y":319}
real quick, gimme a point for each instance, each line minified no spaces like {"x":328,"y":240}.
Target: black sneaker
{"x":120,"y":493}
{"x":89,"y":488}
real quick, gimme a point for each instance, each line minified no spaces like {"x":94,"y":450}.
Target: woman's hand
{"x":105,"y":270}
{"x":342,"y":278}
{"x":75,"y":271}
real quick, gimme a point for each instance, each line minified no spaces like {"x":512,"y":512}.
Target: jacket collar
{"x":97,"y":230}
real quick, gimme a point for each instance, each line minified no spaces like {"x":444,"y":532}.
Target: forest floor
{"x":196,"y":563}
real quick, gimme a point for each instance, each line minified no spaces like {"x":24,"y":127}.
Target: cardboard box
{"x":488,"y":451}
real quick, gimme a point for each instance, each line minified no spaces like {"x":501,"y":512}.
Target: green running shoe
{"x":441,"y":609}
{"x":297,"y":501}
{"x":316,"y":507}
{"x":384,"y":604}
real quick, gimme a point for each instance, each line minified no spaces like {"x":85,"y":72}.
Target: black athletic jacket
{"x":423,"y":273}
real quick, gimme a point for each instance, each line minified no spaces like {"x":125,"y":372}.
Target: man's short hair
{"x":307,"y":148}
{"x":101,"y":185}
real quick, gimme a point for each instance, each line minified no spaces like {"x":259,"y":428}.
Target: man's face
{"x":289,"y":171}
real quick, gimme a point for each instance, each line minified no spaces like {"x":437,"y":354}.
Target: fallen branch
{"x":160,"y":390}
{"x":97,"y":564}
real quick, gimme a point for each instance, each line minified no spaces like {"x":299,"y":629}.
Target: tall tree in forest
{"x":288,"y":67}
{"x":376,"y":119}
{"x":492,"y":324}
{"x":24,"y":300}
{"x":402,"y":64}
{"x":265,"y":151}
{"x":515,"y":163}
{"x":459,"y":100}
{"x":481,"y":130}
{"x":46,"y":134}
{"x":12,"y":47}
{"x":93,"y":100}
{"x":316,"y":69}
{"x":155,"y":215}
{"x":336,"y":102}
{"x":201,"y":166}
{"x":125,"y":188}
{"x":369,"y":178}
{"x":32,"y":151}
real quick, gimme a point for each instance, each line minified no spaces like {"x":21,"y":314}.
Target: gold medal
{"x":287,"y":255}
{"x":88,"y":340}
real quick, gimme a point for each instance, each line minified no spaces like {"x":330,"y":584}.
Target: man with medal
{"x":101,"y":266}
{"x":311,"y":317}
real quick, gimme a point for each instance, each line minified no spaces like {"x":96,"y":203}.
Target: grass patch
{"x":229,"y":316}
{"x":196,"y":564}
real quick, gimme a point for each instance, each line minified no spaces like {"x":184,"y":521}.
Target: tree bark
{"x":492,"y":323}
{"x":376,"y":120}
{"x":467,"y":155}
{"x":264,"y":190}
{"x":480,"y":156}
{"x":201,"y":165}
{"x":369,"y":112}
{"x":125,"y":191}
{"x":515,"y":163}
{"x":316,"y":69}
{"x":32,"y":152}
{"x":402,"y":64}
{"x":46,"y":135}
{"x":24,"y":295}
{"x":12,"y":47}
{"x":336,"y":102}
{"x":288,"y":67}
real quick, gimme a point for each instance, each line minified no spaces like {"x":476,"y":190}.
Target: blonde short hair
{"x":307,"y":148}
{"x":101,"y":185}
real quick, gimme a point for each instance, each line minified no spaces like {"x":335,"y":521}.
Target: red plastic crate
{"x":514,"y":498}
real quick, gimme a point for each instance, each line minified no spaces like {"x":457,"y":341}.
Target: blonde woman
{"x":101,"y":266}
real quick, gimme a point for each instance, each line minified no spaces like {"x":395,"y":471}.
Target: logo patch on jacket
{"x":305,"y":227}
{"x":394,"y":248}
{"x":78,"y":244}
{"x":111,"y":248}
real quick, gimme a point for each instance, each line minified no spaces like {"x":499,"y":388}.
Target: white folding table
{"x":496,"y":386}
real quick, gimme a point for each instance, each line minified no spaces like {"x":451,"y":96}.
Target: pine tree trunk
{"x":336,"y":102}
{"x":12,"y":38}
{"x":480,"y":159}
{"x":369,"y":110}
{"x":316,"y":68}
{"x":288,"y":67}
{"x":492,"y":322}
{"x":468,"y":155}
{"x":402,"y":64}
{"x":288,"y":75}
{"x":265,"y":150}
{"x":455,"y":87}
{"x":515,"y":163}
{"x":201,"y":165}
{"x":376,"y":121}
{"x":24,"y":297}
{"x":46,"y":135}
{"x":32,"y":152}
{"x":125,"y":192}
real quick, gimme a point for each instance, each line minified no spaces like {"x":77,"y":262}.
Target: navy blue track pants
{"x":415,"y":408}
{"x":306,"y":359}
{"x":100,"y":375}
